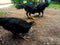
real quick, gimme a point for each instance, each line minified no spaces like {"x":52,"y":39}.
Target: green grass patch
{"x":2,"y":12}
{"x":54,"y":5}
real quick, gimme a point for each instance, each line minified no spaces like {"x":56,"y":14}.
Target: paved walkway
{"x":5,"y":6}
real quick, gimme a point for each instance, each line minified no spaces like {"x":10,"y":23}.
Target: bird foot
{"x":26,"y":38}
{"x":31,"y":18}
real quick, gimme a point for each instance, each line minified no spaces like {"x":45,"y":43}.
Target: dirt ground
{"x":45,"y":32}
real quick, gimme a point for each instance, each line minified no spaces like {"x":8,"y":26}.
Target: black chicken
{"x":15,"y":25}
{"x":41,"y":7}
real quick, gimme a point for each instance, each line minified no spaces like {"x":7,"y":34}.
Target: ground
{"x":46,"y":31}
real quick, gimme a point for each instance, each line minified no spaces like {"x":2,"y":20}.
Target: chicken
{"x":15,"y":25}
{"x":41,"y":7}
{"x":29,"y":8}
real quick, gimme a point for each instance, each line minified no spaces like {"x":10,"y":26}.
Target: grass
{"x":54,"y":5}
{"x":2,"y":12}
